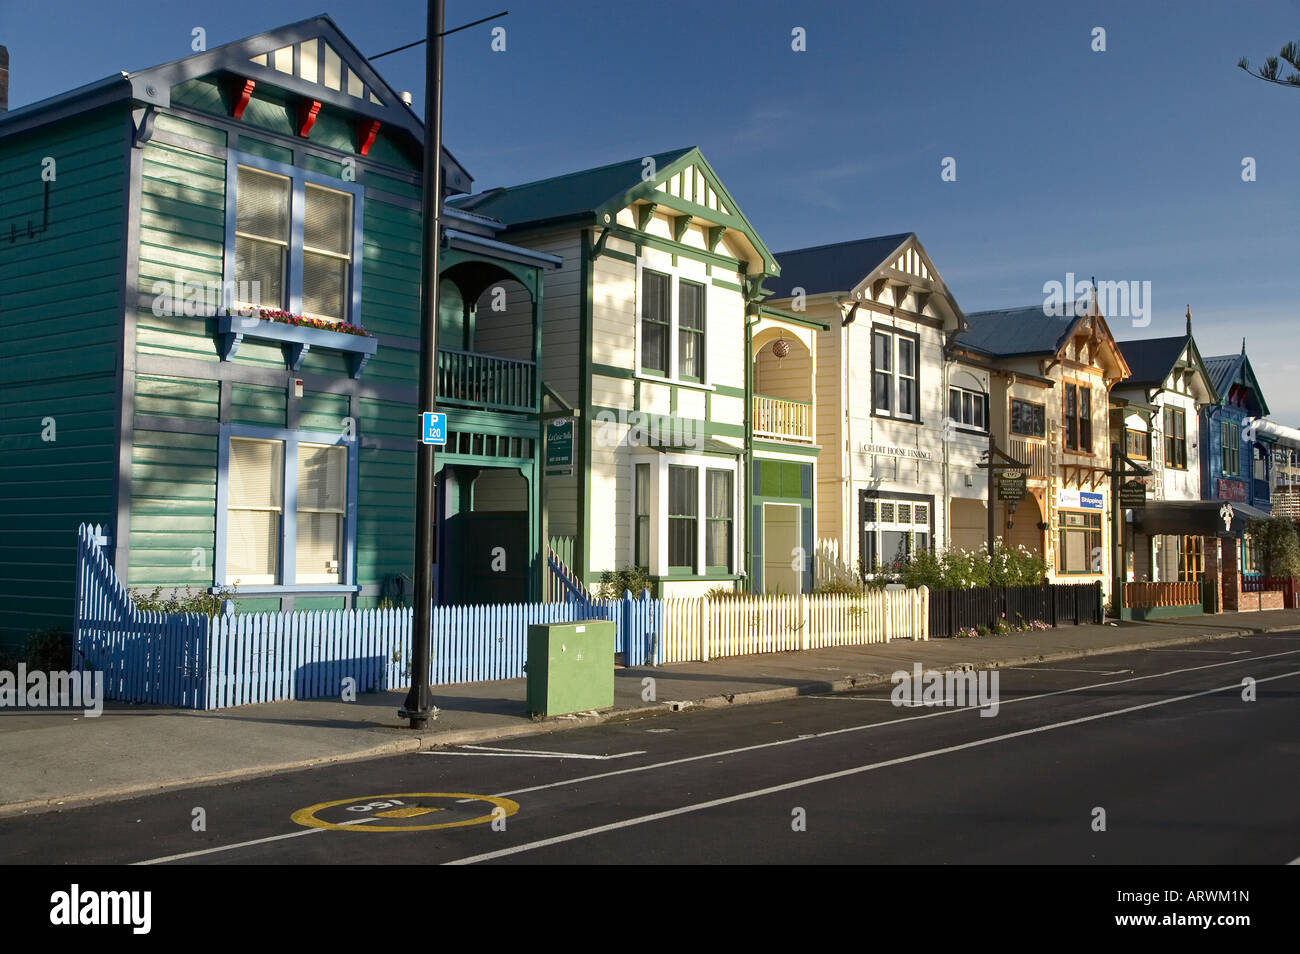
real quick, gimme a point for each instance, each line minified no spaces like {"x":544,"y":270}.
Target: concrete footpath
{"x":58,"y":759}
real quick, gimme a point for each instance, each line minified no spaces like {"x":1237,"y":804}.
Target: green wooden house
{"x":209,"y":312}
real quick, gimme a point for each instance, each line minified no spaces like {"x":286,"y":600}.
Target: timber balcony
{"x":1032,"y":453}
{"x":486,"y":380}
{"x":783,"y":420}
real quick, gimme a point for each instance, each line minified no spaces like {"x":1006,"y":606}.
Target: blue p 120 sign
{"x":435,"y":428}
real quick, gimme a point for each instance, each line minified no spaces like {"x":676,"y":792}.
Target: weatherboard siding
{"x":60,"y":311}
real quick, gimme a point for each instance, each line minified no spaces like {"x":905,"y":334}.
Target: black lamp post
{"x":418,"y":707}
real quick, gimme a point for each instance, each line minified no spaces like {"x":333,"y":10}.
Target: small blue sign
{"x":435,"y":428}
{"x":1089,"y":501}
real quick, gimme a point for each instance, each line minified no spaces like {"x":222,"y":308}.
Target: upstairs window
{"x":895,"y":374}
{"x":1078,"y":418}
{"x":1137,"y":444}
{"x":326,"y":253}
{"x":969,"y":408}
{"x":292,"y":232}
{"x":1028,"y":419}
{"x":1176,"y":438}
{"x":262,"y":237}
{"x":672,"y":333}
{"x":1231,"y":455}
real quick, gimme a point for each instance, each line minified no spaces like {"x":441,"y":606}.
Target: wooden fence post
{"x":704,"y":627}
{"x":805,"y":621}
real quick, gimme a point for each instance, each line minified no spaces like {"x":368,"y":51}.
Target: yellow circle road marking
{"x":307,"y":816}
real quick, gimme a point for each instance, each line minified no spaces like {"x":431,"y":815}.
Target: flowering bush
{"x":301,"y":321}
{"x":962,"y":569}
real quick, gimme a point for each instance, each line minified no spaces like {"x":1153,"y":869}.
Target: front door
{"x":782,"y":562}
{"x":490,"y":551}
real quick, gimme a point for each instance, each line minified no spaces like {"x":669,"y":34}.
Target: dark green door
{"x":490,"y":553}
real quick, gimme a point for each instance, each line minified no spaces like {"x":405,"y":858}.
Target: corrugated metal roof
{"x":1151,"y":359}
{"x":832,"y":268}
{"x":1010,"y":332}
{"x":1222,"y":368}
{"x":569,"y":196}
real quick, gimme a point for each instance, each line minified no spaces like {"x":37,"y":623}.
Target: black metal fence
{"x":1055,"y":604}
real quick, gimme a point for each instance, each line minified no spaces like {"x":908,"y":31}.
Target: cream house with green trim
{"x":883,"y":399}
{"x":645,"y":344}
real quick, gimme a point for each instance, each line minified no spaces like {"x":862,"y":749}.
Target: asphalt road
{"x":1160,"y":741}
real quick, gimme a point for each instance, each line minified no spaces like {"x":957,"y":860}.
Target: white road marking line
{"x":845,"y":773}
{"x":245,"y":844}
{"x":486,"y":750}
{"x":1100,"y":672}
{"x":803,"y":738}
{"x":900,"y":705}
{"x":1216,"y":652}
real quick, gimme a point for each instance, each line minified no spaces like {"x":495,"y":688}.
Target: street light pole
{"x":419,"y":700}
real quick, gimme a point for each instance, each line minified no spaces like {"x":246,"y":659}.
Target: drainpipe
{"x":847,"y":502}
{"x":748,"y":475}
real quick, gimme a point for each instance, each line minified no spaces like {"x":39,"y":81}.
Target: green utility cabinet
{"x":570,"y":667}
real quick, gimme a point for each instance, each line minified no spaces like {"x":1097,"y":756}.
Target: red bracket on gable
{"x":242,"y":96}
{"x":367,"y":129}
{"x":307,"y":111}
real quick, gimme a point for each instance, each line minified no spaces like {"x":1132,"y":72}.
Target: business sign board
{"x":559,"y":447}
{"x":1079,"y":500}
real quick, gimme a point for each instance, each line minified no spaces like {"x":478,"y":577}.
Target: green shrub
{"x":1279,"y":546}
{"x":614,"y":582}
{"x":838,"y":588}
{"x":49,"y":650}
{"x":209,"y":604}
{"x":727,"y":593}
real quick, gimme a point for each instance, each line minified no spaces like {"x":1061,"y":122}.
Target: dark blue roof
{"x":832,"y":268}
{"x":1009,"y":332}
{"x":1222,"y":369}
{"x":1151,"y":359}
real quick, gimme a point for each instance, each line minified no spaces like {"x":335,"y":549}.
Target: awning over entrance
{"x":1195,"y":517}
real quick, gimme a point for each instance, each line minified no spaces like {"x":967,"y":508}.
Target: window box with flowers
{"x":298,"y":334}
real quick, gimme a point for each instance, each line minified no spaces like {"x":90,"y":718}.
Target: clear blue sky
{"x":1125,"y":164}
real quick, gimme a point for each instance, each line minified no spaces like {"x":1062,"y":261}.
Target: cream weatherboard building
{"x":1051,"y":378}
{"x":645,"y":349}
{"x":890,"y":459}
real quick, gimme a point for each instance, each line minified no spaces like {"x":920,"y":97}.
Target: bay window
{"x":683,"y":515}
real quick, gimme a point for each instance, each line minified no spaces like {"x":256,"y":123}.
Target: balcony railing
{"x":783,"y":420}
{"x":485,"y":380}
{"x":1032,"y":453}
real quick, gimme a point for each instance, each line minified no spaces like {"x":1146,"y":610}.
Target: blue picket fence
{"x":195,"y":662}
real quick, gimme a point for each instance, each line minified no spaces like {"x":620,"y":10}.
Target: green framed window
{"x":690,"y":331}
{"x":1079,"y":538}
{"x":719,"y":505}
{"x":641,"y":555}
{"x":1231,"y":456}
{"x":683,"y":513}
{"x":656,"y":322}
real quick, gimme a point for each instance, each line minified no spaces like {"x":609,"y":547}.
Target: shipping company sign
{"x":1078,"y":500}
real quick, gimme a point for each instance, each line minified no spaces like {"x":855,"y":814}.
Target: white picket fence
{"x":699,"y":629}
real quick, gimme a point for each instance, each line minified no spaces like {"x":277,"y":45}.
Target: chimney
{"x":4,"y":79}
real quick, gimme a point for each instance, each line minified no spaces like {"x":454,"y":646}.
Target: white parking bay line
{"x":245,"y":844}
{"x":1099,"y":672}
{"x":1216,"y":652}
{"x":487,"y":750}
{"x":831,"y":776}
